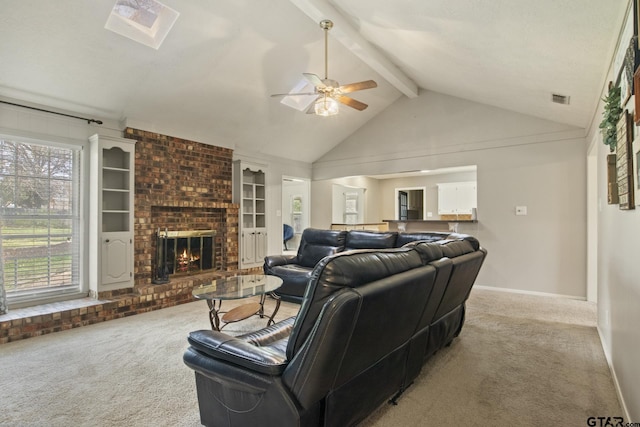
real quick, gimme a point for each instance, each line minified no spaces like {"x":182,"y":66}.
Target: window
{"x":39,"y":220}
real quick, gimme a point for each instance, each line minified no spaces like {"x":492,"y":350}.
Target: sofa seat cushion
{"x":275,"y":336}
{"x":266,"y":359}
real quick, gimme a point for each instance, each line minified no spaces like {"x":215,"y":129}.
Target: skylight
{"x":300,"y":103}
{"x":144,"y":21}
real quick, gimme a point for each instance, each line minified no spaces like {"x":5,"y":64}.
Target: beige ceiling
{"x":211,"y":79}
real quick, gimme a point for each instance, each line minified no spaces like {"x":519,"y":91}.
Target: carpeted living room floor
{"x":520,"y":360}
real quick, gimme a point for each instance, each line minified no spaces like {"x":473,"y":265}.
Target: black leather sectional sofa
{"x":368,"y":321}
{"x":315,"y":244}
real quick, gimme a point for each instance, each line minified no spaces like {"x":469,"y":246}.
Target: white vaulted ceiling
{"x":211,"y":79}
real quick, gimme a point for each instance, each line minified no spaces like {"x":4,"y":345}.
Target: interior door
{"x":403,"y":204}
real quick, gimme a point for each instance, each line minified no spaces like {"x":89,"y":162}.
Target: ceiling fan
{"x":329,"y":92}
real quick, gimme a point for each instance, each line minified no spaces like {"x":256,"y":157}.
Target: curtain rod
{"x":89,"y":121}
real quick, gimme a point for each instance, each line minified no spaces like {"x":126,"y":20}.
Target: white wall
{"x":618,"y":276}
{"x":521,"y":160}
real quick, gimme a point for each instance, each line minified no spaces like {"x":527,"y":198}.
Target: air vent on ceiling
{"x":560,"y":99}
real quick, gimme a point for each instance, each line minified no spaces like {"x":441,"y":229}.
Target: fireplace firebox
{"x":183,"y":252}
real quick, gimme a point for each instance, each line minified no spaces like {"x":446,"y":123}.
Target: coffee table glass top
{"x":237,"y":287}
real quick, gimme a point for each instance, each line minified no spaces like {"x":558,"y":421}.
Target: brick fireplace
{"x":182,"y":185}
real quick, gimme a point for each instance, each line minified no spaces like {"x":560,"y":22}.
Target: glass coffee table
{"x":238,"y":287}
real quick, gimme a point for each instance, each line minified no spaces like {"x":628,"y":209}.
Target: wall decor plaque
{"x":624,"y":162}
{"x":612,"y":181}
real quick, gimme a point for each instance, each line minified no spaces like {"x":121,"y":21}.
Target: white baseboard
{"x":616,"y":384}
{"x":519,"y":291}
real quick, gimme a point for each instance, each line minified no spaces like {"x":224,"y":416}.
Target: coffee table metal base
{"x":240,"y":312}
{"x":234,"y":288}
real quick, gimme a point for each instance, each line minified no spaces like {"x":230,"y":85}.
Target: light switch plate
{"x":521,"y":210}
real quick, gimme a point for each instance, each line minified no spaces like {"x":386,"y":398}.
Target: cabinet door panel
{"x":457,"y":198}
{"x":248,"y":246}
{"x":261,"y":246}
{"x":447,"y":200}
{"x":116,"y":258}
{"x":466,"y":198}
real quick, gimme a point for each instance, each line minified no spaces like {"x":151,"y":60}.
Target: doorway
{"x":295,"y":211}
{"x":403,"y":205}
{"x":410,"y":203}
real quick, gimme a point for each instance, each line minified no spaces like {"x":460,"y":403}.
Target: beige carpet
{"x":521,"y":360}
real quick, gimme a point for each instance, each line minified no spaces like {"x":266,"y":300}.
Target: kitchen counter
{"x":427,"y":224}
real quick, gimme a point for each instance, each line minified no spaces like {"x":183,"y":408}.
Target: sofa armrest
{"x":270,"y":360}
{"x":275,"y":260}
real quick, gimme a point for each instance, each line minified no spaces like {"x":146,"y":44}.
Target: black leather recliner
{"x":295,"y":270}
{"x":362,"y":334}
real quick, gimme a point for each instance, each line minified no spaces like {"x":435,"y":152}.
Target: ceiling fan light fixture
{"x":326,"y":106}
{"x":328,"y":93}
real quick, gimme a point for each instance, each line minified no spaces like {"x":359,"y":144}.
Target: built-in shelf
{"x":111,"y":206}
{"x":249,"y":192}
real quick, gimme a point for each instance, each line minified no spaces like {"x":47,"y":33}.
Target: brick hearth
{"x":47,"y":318}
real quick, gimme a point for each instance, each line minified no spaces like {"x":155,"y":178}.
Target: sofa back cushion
{"x":466,"y":266}
{"x":316,"y":244}
{"x":466,"y":243}
{"x":427,"y":236}
{"x":344,"y":271}
{"x":373,"y":304}
{"x":370,"y":240}
{"x":429,"y":251}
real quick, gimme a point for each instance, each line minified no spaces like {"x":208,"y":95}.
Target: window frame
{"x":44,"y":296}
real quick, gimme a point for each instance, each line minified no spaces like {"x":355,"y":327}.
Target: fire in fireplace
{"x":183,"y":252}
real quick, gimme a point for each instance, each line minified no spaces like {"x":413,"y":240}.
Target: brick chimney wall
{"x":181,"y":185}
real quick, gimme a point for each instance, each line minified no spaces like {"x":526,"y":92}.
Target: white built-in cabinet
{"x":111,"y":204}
{"x":457,"y":198}
{"x":249,"y":191}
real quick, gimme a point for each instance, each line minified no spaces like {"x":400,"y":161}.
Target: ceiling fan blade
{"x":294,"y":94}
{"x":352,"y":103}
{"x":367,"y":84}
{"x":313,"y":79}
{"x":312,"y":108}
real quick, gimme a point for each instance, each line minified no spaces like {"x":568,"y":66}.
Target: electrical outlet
{"x":429,"y":214}
{"x":521,"y":210}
